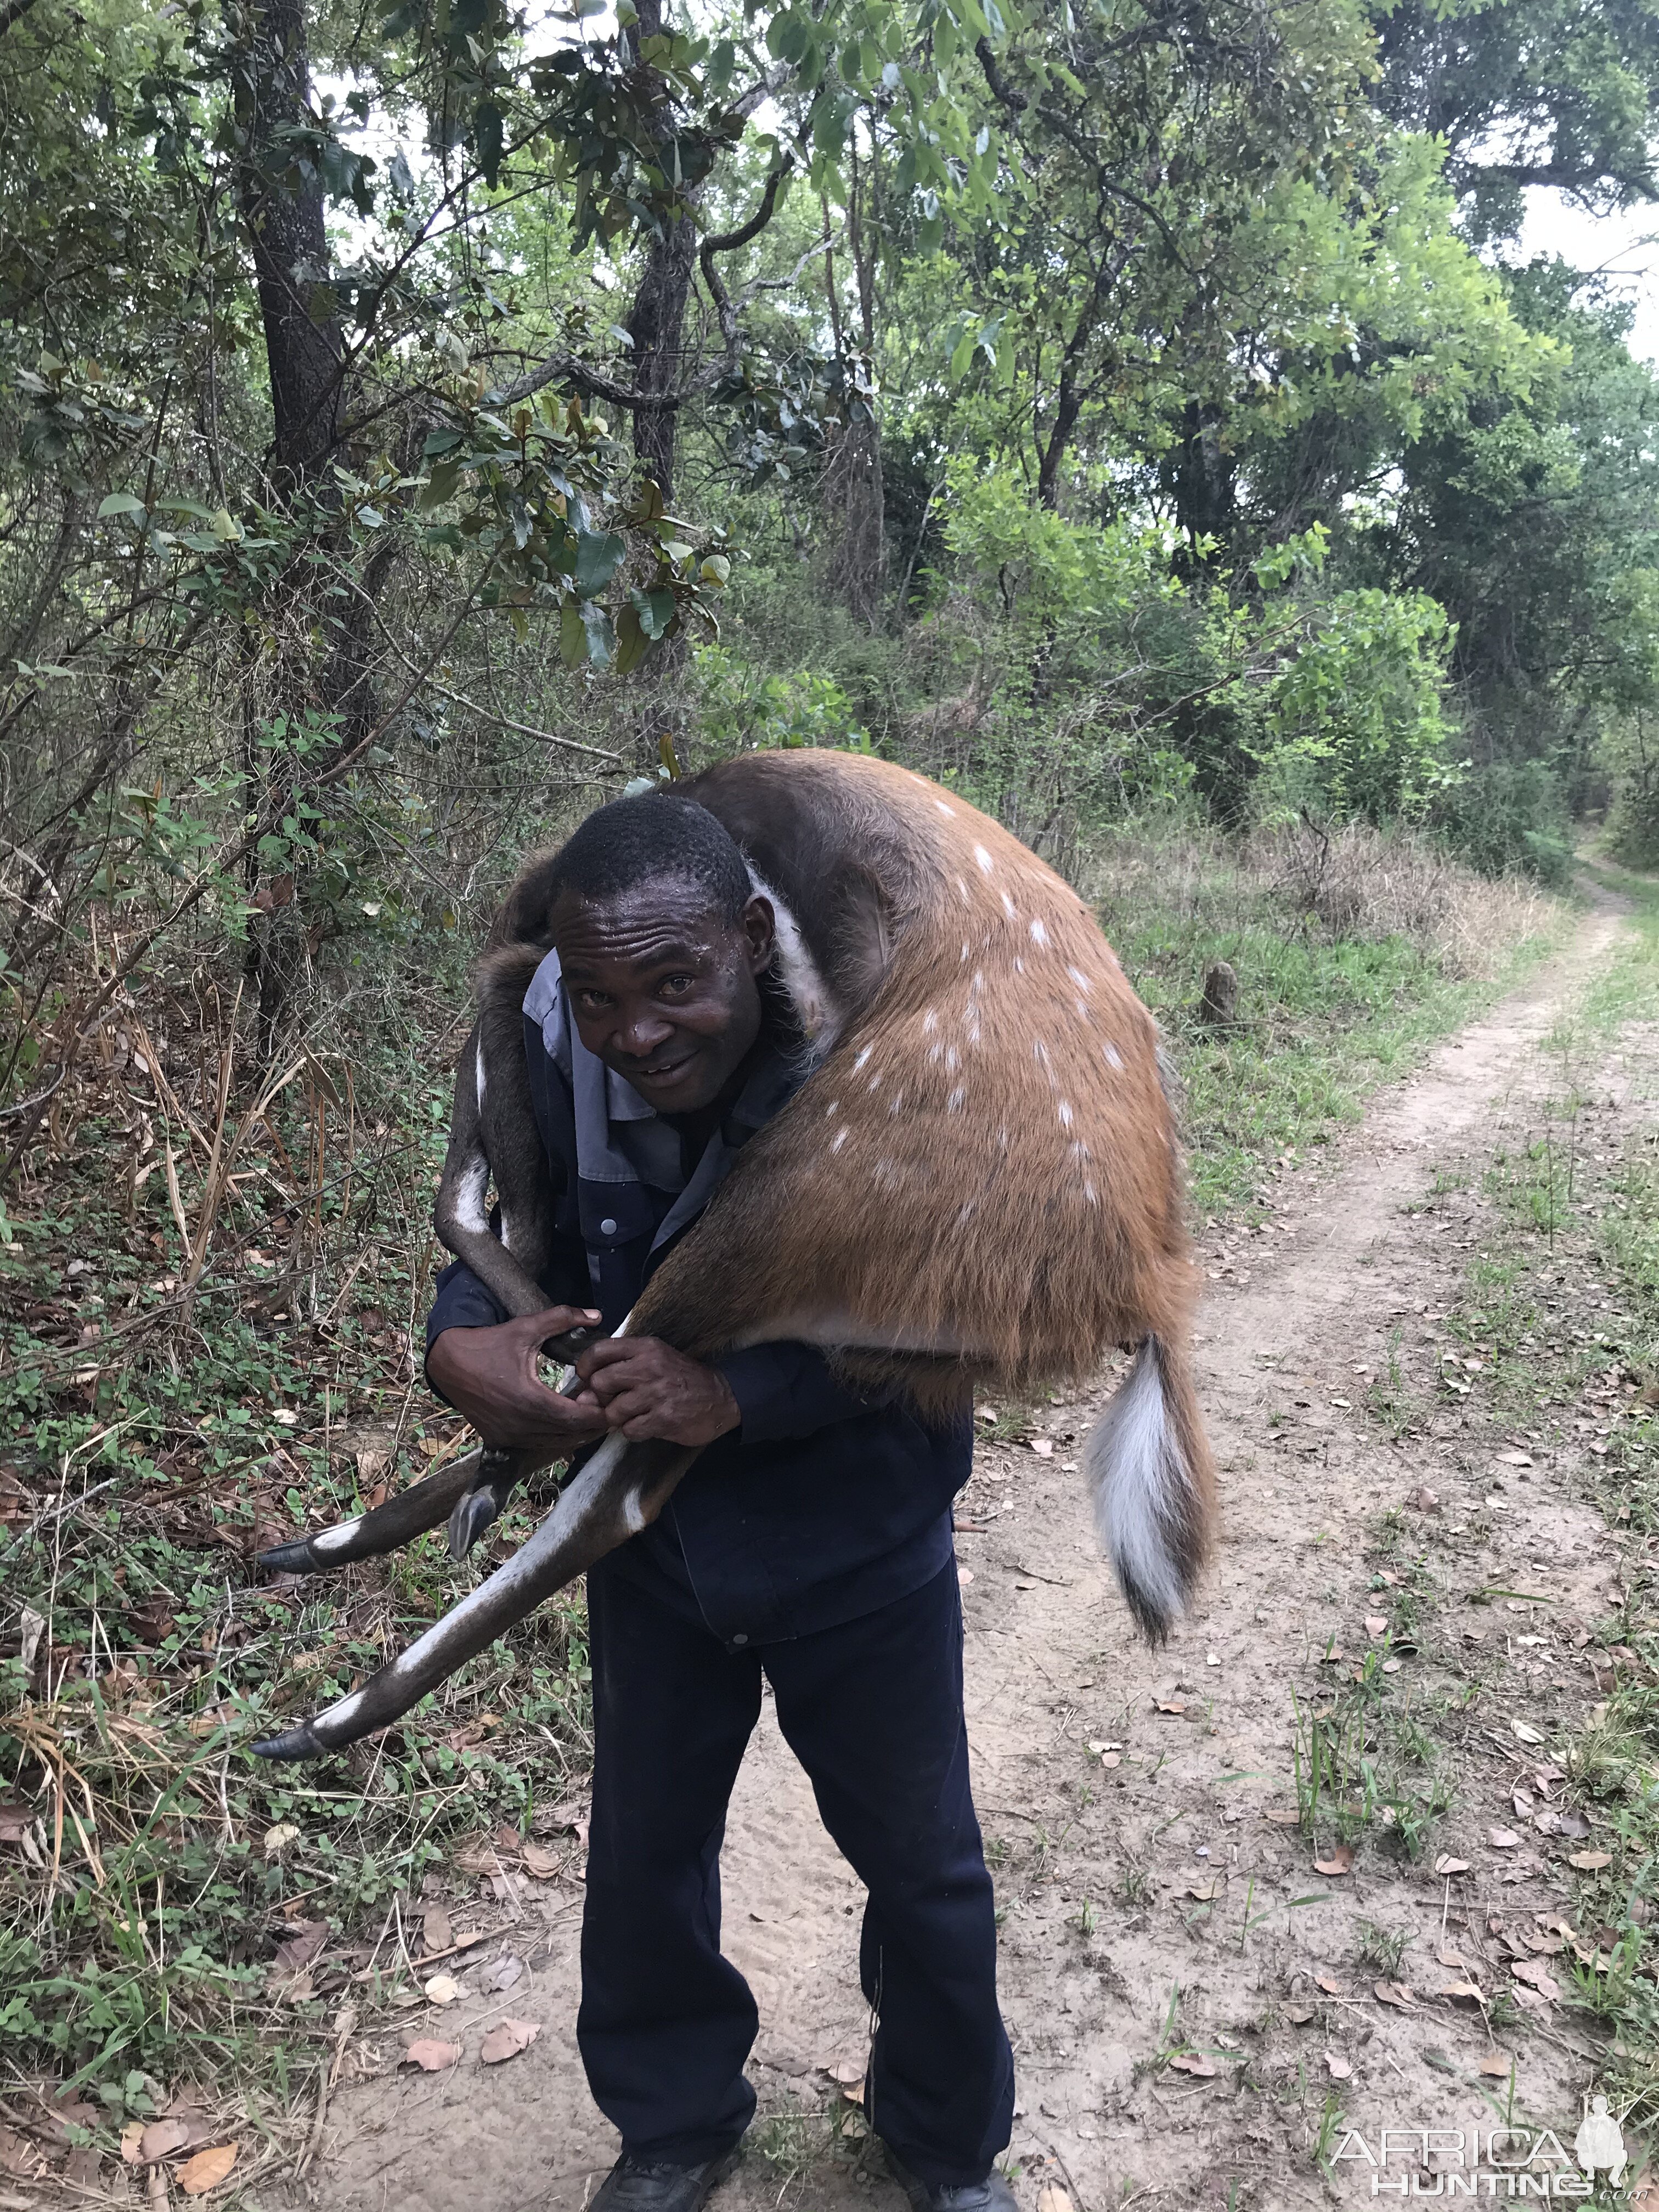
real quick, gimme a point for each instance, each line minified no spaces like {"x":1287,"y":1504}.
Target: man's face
{"x":663,"y":986}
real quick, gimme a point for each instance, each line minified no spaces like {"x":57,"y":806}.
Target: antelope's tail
{"x":1153,"y":1485}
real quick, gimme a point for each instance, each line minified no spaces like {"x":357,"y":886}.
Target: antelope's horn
{"x":621,"y":1488}
{"x":371,"y":1535}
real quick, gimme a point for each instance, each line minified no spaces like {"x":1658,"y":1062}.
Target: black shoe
{"x":993,"y":2194}
{"x":651,"y":2184}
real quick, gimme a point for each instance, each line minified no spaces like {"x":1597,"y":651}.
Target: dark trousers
{"x":872,"y":1710}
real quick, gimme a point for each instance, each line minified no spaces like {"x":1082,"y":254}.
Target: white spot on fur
{"x":964,"y":1214}
{"x":895,"y":1102}
{"x":952,"y":1059}
{"x":1039,"y":1052}
{"x":479,"y":1057}
{"x":1080,"y":1150}
{"x":1019,"y":966}
{"x":1064,"y":1111}
{"x":832,"y":1109}
{"x":929,"y":1023}
{"x":864,"y":1055}
{"x":961,"y":889}
{"x":984,"y":858}
{"x":953,"y":1103}
{"x":1111,"y":1055}
{"x":1082,"y":1010}
{"x":1091,"y":1193}
{"x":943,"y":808}
{"x":1039,"y":934}
{"x":1008,"y":906}
{"x":1078,"y":978}
{"x":838,"y":1141}
{"x":875,"y":1083}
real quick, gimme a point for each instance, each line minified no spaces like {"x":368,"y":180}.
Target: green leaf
{"x":573,"y":638}
{"x":601,"y":637}
{"x":632,"y":642}
{"x":440,"y":486}
{"x":600,"y":554}
{"x":121,"y":503}
{"x":441,"y":441}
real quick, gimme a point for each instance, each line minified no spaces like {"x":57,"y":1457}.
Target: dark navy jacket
{"x":823,"y":1505}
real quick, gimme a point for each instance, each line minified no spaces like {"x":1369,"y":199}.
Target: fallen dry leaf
{"x":1042,"y":1448}
{"x":505,"y":1971}
{"x":1535,"y":1976}
{"x":1445,"y":1865}
{"x":1396,"y":1993}
{"x":1453,"y":1958}
{"x":1169,"y":1705}
{"x":1392,"y":1666}
{"x":1111,"y":1759}
{"x":1515,"y":1459}
{"x":131,"y":2136}
{"x":1206,"y":1892}
{"x":1339,"y":1861}
{"x":1588,"y":1862}
{"x":206,"y":2170}
{"x":1467,"y":1991}
{"x":847,"y":2072}
{"x":1284,"y":1819}
{"x":301,"y":1948}
{"x":431,"y":2056}
{"x":541,"y":1864}
{"x":442,"y":1989}
{"x":1331,"y":1986}
{"x":1502,"y":1839}
{"x":436,"y":1933}
{"x":1298,"y":2015}
{"x":1423,"y":1499}
{"x":1051,"y":2197}
{"x":506,"y":2039}
{"x":1193,"y":2061}
{"x":161,"y":2138}
{"x":1527,"y":1732}
{"x":1338,"y":2067}
{"x":1376,"y":1624}
{"x":1496,"y":2065}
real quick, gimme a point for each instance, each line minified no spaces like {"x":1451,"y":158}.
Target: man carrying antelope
{"x":812,"y":1540}
{"x":819,"y":1095}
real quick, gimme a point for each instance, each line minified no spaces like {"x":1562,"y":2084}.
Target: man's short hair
{"x":656,"y":834}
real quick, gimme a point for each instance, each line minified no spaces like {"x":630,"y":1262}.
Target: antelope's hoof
{"x":302,"y":1743}
{"x":293,"y":1559}
{"x":472,"y":1515}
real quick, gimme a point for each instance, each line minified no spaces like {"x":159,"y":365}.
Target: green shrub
{"x":1510,"y":815}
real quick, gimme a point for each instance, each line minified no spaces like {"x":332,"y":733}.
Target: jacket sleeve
{"x":787,"y":1390}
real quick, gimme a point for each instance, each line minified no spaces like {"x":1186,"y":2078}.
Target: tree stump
{"x":1219,"y":1007}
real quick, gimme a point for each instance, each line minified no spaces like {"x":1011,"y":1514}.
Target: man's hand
{"x":490,"y":1375}
{"x":646,"y":1388}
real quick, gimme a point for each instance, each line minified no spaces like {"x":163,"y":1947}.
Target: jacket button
{"x":740,"y":1639}
{"x":607,"y":1229}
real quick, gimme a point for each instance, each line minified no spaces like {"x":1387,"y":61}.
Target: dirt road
{"x":1159,"y":1903}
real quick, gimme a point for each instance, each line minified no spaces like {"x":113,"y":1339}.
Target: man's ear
{"x":760,"y":930}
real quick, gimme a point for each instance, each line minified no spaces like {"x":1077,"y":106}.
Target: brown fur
{"x":981,"y":1181}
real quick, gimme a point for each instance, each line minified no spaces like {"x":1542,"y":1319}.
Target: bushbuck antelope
{"x":979,"y":1182}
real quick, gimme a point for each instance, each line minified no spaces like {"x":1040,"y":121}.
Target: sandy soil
{"x":1155,"y":1901}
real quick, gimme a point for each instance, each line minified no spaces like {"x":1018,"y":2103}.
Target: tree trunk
{"x":289,"y":246}
{"x":1201,"y":477}
{"x":853,"y":489}
{"x":1067,"y":407}
{"x":657,"y":323}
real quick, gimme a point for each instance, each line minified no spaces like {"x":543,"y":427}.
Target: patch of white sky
{"x":1622,"y":247}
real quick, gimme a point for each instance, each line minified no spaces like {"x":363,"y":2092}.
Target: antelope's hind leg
{"x":485,"y":1500}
